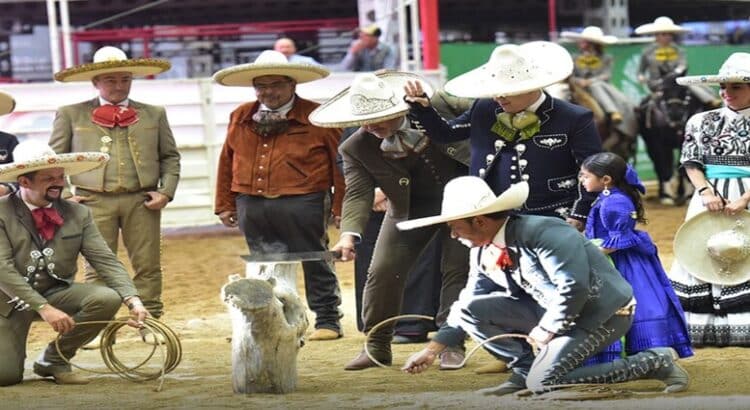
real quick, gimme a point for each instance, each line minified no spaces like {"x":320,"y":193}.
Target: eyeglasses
{"x":276,"y":85}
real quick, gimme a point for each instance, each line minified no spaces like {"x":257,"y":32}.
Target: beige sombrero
{"x":7,"y":103}
{"x":112,"y":60}
{"x":30,"y":156}
{"x":371,"y":98}
{"x":715,"y":248}
{"x":661,"y":25}
{"x":469,"y":196}
{"x":269,"y":62}
{"x":513,"y":70}
{"x":592,"y":34}
{"x":736,"y":69}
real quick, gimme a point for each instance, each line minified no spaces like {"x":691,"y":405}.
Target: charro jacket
{"x":152,"y":147}
{"x":78,"y":235}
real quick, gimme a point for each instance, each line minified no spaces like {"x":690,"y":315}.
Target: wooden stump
{"x":268,"y":328}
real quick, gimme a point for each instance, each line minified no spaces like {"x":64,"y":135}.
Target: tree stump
{"x":268,"y":328}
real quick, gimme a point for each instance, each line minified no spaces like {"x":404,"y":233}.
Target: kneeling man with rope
{"x":537,"y":275}
{"x":41,"y":236}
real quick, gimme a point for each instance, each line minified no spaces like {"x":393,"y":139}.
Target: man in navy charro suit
{"x":517,"y":131}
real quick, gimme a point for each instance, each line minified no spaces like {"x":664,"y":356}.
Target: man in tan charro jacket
{"x":127,"y":195}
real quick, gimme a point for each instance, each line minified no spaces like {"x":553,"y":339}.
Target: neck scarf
{"x":46,"y":221}
{"x":521,"y":126}
{"x":109,"y":116}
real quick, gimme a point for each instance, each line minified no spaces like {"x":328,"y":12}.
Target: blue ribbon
{"x":726,"y":171}
{"x":631,"y":177}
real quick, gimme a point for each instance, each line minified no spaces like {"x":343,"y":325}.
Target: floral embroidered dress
{"x":716,"y":140}
{"x":659,"y":320}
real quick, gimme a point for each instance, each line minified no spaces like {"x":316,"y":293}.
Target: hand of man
{"x":575,"y":223}
{"x":415,"y":93}
{"x":356,"y":46}
{"x":229,"y":218}
{"x":4,"y":190}
{"x":540,"y":336}
{"x":59,"y":320}
{"x":346,"y":246}
{"x":420,"y":361}
{"x":138,"y":313}
{"x":380,"y":201}
{"x":156,"y":200}
{"x":79,"y":198}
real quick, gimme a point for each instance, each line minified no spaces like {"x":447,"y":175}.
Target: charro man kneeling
{"x":42,"y":236}
{"x":538,"y":276}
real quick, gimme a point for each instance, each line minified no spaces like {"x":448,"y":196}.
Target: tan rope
{"x":170,"y":352}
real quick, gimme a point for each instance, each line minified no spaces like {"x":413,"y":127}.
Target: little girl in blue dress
{"x":659,"y":320}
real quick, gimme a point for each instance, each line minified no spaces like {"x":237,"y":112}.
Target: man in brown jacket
{"x":41,"y":237}
{"x":276,"y":171}
{"x":127,"y":195}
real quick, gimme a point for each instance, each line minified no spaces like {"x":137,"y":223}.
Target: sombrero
{"x":513,"y":70}
{"x":7,"y":103}
{"x":469,"y":196}
{"x":715,"y":248}
{"x":736,"y":69}
{"x":371,"y":98}
{"x":593,"y":34}
{"x":661,"y":25}
{"x":269,"y":62}
{"x":112,"y":60}
{"x":30,"y":156}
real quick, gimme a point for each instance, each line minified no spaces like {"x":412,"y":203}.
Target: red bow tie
{"x":109,"y":116}
{"x":46,"y":220}
{"x":504,"y":260}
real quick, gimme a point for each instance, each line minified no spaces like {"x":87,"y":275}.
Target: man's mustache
{"x":60,"y":187}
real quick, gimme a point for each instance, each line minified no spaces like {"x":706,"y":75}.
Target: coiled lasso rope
{"x":170,"y":351}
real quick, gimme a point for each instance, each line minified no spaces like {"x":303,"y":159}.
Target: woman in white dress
{"x":716,"y":156}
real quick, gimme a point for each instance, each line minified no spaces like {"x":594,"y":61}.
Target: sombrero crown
{"x":31,"y":156}
{"x":112,"y":60}
{"x":468,"y":196}
{"x":269,"y":62}
{"x":736,"y":69}
{"x":7,"y":103}
{"x":513,"y":70}
{"x":371,"y":98}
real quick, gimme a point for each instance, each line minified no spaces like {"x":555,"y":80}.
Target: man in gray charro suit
{"x":41,"y":237}
{"x":537,"y":275}
{"x":389,"y":153}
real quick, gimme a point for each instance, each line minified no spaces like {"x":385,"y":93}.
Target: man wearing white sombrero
{"x":517,"y":131}
{"x":275,"y":175}
{"x":537,"y":276}
{"x":41,"y":237}
{"x":7,"y":141}
{"x":126,"y":196}
{"x":715,"y":156}
{"x":665,"y":60}
{"x":390,"y":153}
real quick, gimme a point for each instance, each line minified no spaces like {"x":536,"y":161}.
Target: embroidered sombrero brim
{"x":7,"y":103}
{"x":546,"y":63}
{"x":73,"y":163}
{"x":666,"y":27}
{"x":713,"y":79}
{"x":139,"y":67}
{"x":605,"y":40}
{"x":337,"y":112}
{"x":691,"y":251}
{"x":243,"y":75}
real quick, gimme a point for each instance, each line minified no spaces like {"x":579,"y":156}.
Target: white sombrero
{"x":469,"y":196}
{"x":593,"y":34}
{"x":30,"y":156}
{"x":371,"y":98}
{"x":661,"y":25}
{"x":736,"y":69}
{"x":7,"y":103}
{"x":112,"y":60}
{"x":514,"y":70}
{"x":715,"y":248}
{"x":269,"y":62}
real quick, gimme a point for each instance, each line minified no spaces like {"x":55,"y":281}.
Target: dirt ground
{"x":197,"y":265}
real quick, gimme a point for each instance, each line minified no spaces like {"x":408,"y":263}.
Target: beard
{"x":49,"y":197}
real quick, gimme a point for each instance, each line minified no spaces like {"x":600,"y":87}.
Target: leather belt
{"x":267,"y":196}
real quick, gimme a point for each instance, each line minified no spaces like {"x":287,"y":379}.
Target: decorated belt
{"x":726,"y":171}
